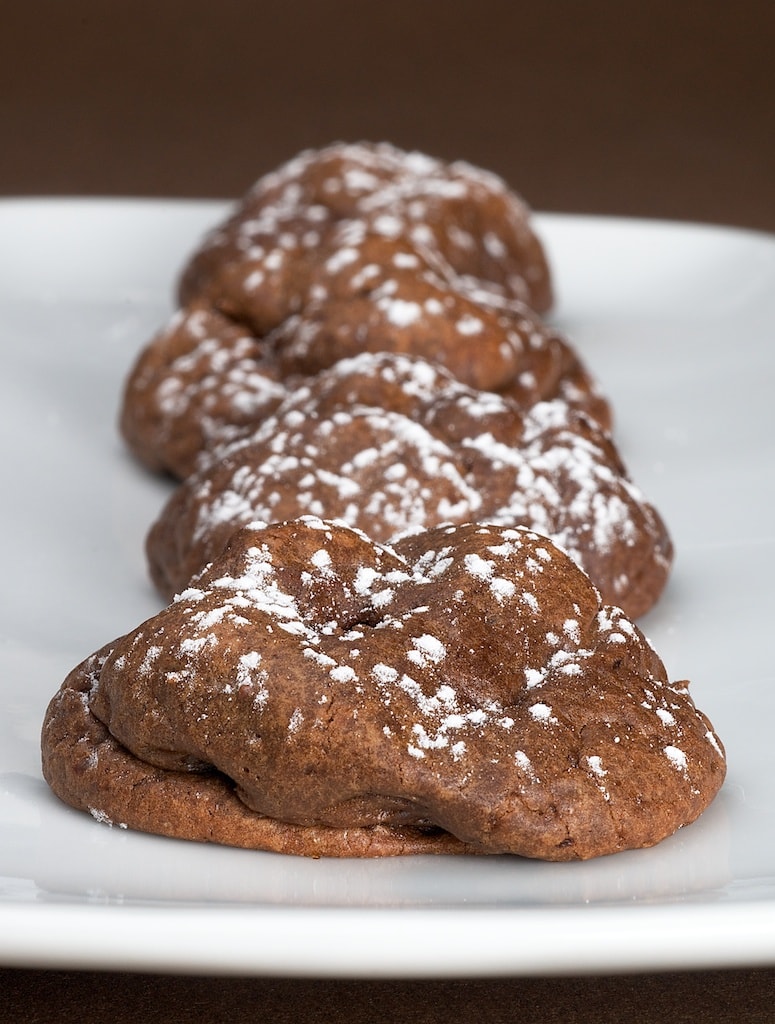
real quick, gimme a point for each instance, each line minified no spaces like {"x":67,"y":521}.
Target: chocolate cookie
{"x":391,"y":445}
{"x":467,"y":216}
{"x":269,"y":300}
{"x":317,"y":693}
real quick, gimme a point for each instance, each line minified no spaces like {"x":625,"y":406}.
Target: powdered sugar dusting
{"x":307,"y":641}
{"x":402,"y":473}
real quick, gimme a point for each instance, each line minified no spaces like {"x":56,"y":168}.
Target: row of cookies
{"x":383,"y":302}
{"x":403,"y":556}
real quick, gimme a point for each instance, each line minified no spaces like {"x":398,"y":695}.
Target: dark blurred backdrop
{"x":661,"y":108}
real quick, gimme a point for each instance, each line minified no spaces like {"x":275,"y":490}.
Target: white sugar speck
{"x":524,"y":762}
{"x":677,"y":757}
{"x":533,"y":677}
{"x":384,"y":673}
{"x":321,"y":559}
{"x":343,"y":674}
{"x":401,"y":313}
{"x":541,"y":713}
{"x":479,"y":567}
{"x":469,"y":325}
{"x":427,"y":648}
{"x":709,"y":736}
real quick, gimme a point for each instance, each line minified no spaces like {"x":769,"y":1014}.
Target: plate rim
{"x":295,"y":941}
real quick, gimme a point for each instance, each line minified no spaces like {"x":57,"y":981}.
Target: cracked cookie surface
{"x":462,"y":691}
{"x":392,"y":444}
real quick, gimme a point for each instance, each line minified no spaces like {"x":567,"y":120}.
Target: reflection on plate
{"x":677,"y":322}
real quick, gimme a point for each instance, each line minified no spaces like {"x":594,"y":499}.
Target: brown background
{"x":657,"y":109}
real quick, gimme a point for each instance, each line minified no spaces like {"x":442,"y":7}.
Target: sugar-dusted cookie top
{"x":315,"y":267}
{"x":392,"y":444}
{"x":315,"y":692}
{"x":466,"y":216}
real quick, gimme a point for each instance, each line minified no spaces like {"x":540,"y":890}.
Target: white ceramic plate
{"x":678,"y":322}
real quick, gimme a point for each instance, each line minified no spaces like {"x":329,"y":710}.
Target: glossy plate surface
{"x":678,"y":323}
